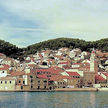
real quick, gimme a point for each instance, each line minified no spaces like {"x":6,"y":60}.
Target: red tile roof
{"x":42,"y":76}
{"x":105,"y":73}
{"x":40,"y":55}
{"x":51,"y":70}
{"x":1,"y":54}
{"x":58,"y":77}
{"x":17,"y":73}
{"x":73,"y":74}
{"x":3,"y":68}
{"x":64,"y":63}
{"x":98,"y":77}
{"x":76,"y":63}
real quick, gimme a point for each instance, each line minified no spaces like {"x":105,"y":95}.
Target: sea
{"x":53,"y":99}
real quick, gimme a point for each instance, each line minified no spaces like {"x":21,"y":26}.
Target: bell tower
{"x":93,"y":62}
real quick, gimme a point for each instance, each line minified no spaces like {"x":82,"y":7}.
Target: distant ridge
{"x":54,"y":44}
{"x":10,"y":50}
{"x":70,"y":43}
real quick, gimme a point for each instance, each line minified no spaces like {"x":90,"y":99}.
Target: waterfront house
{"x":74,"y":81}
{"x":7,"y":83}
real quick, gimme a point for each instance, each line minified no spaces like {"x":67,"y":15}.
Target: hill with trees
{"x":10,"y":50}
{"x":54,"y":44}
{"x":71,"y":43}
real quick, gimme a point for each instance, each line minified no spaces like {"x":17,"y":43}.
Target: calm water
{"x":53,"y":99}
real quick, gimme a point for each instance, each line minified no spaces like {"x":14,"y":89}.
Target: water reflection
{"x":26,"y":99}
{"x":53,"y":100}
{"x":92,"y":99}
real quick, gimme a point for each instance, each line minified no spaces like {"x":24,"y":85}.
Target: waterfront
{"x":53,"y":100}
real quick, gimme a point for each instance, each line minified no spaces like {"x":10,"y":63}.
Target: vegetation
{"x":54,"y":44}
{"x":10,"y":50}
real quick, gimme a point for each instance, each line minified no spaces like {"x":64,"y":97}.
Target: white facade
{"x":92,"y":60}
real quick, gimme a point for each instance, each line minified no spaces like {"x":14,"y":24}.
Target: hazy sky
{"x":23,"y":22}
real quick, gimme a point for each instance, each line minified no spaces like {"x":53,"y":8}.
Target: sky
{"x":25,"y":22}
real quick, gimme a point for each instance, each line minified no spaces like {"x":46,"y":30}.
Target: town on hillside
{"x":55,"y":69}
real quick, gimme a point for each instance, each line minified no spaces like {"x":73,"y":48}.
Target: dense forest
{"x":70,"y":43}
{"x":15,"y":52}
{"x":10,"y":50}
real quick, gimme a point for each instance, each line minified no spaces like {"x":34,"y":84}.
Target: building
{"x":7,"y":83}
{"x":74,"y":80}
{"x":88,"y":79}
{"x":93,"y":62}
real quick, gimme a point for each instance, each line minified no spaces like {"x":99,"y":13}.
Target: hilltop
{"x":54,"y":44}
{"x":10,"y":50}
{"x":71,"y":43}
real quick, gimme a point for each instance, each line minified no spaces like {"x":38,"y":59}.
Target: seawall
{"x":56,"y":90}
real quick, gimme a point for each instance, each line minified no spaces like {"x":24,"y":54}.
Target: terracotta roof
{"x":4,"y":68}
{"x":1,"y":54}
{"x":31,"y":65}
{"x":73,"y":74}
{"x":76,"y":63}
{"x":98,"y":77}
{"x":17,"y":73}
{"x":105,"y":73}
{"x":40,"y":55}
{"x":6,"y":65}
{"x":64,"y":62}
{"x":42,"y":76}
{"x":52,"y":70}
{"x":7,"y":78}
{"x":93,"y":51}
{"x":58,"y":77}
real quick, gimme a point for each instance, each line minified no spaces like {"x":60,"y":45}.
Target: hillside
{"x":10,"y":50}
{"x":54,"y":44}
{"x":70,"y":43}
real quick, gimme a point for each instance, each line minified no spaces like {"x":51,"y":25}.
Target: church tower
{"x":93,"y":62}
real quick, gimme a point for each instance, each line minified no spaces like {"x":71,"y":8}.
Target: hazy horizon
{"x":30,"y":21}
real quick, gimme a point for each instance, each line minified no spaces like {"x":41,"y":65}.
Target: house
{"x":100,"y":79}
{"x":58,"y":81}
{"x":7,"y":83}
{"x":2,"y":56}
{"x":4,"y":70}
{"x":74,"y":81}
{"x":63,"y":63}
{"x":88,"y":79}
{"x":72,"y":54}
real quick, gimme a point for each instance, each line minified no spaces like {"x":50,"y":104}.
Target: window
{"x":10,"y":82}
{"x":31,"y":76}
{"x":45,"y":81}
{"x":21,"y":87}
{"x":19,"y":81}
{"x":1,"y":82}
{"x":38,"y":87}
{"x":23,"y":82}
{"x":5,"y":82}
{"x":44,"y":87}
{"x":38,"y":81}
{"x":31,"y":81}
{"x":31,"y":87}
